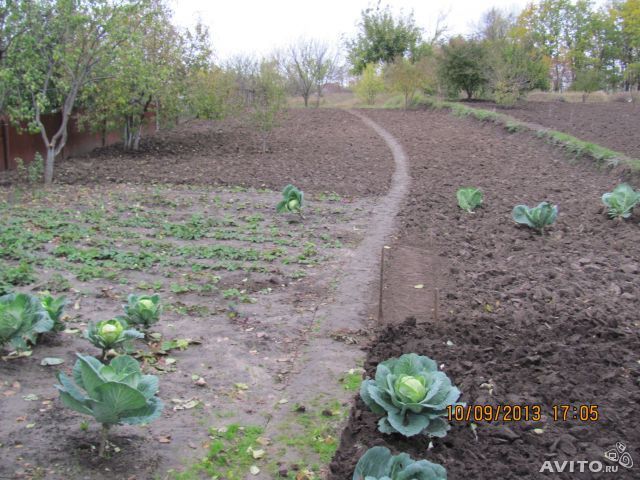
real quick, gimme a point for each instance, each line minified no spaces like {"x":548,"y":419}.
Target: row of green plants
{"x":411,"y":396}
{"x":619,"y":204}
{"x":114,"y":392}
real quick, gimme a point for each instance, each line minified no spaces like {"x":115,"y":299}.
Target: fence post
{"x":4,"y":126}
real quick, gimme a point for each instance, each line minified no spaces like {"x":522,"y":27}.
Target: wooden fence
{"x":17,"y":143}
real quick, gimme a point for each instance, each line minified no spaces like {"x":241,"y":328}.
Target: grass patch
{"x":229,"y":454}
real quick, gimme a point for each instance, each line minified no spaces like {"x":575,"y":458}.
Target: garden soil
{"x":522,"y":319}
{"x":318,"y":150}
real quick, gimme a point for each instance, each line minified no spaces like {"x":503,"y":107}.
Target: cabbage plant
{"x":412,"y":395}
{"x":291,"y":200}
{"x":109,"y":334}
{"x":378,"y":464}
{"x":22,"y":318}
{"x":113,"y":394}
{"x":143,"y":310}
{"x":621,"y":201}
{"x":469,"y":198}
{"x":536,"y":217}
{"x":54,"y":307}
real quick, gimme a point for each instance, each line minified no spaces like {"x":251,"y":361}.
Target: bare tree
{"x":309,"y":64}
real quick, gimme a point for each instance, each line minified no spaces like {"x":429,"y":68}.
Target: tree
{"x":309,"y":65}
{"x":462,"y":66}
{"x":404,"y":77}
{"x":55,"y":57}
{"x":147,"y":74}
{"x":587,"y":81}
{"x":269,"y":99}
{"x":382,"y":38}
{"x":369,"y":85}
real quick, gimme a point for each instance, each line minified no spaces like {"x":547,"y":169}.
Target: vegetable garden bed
{"x":523,"y":319}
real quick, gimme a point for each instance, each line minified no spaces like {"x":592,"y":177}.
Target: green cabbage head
{"x":291,"y":200}
{"x":108,"y":334}
{"x":412,"y":395}
{"x":22,"y":318}
{"x":378,"y":464}
{"x":143,"y":310}
{"x":55,"y":308}
{"x":113,"y":394}
{"x":621,"y":201}
{"x":469,"y":198}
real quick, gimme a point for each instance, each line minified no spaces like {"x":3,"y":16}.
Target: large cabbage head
{"x":377,"y":463}
{"x":22,"y":318}
{"x":113,"y":394}
{"x":412,"y":395}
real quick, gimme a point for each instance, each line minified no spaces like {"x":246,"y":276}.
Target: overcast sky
{"x":259,"y":26}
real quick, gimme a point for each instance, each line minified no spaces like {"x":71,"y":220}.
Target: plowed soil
{"x":612,"y":125}
{"x":522,"y":319}
{"x":321,"y":150}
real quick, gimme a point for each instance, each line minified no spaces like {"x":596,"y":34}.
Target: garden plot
{"x":524,"y":319}
{"x":240,"y":287}
{"x":605,"y":123}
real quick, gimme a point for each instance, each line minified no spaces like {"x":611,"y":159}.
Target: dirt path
{"x":315,"y":384}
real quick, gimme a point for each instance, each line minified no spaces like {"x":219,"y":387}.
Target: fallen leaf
{"x":32,"y":397}
{"x":50,"y":361}
{"x":254,"y":470}
{"x":257,"y":453}
{"x":283,"y":401}
{"x":242,"y":386}
{"x":420,"y":285}
{"x":164,"y":439}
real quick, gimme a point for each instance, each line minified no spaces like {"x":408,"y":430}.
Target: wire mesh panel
{"x":410,"y":286}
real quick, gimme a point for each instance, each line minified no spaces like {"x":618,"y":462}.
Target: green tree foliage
{"x":57,"y":55}
{"x":405,"y":78}
{"x":382,"y":38}
{"x":587,"y":81}
{"x":369,"y":85}
{"x":462,"y":67}
{"x":268,"y":99}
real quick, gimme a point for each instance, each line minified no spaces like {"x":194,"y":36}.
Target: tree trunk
{"x":48,"y":165}
{"x":306,"y":99}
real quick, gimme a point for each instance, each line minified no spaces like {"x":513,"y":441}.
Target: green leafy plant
{"x":291,"y":200}
{"x":621,"y":201}
{"x":469,"y":198}
{"x":412,"y":395}
{"x":536,"y":217}
{"x":54,"y":307}
{"x":113,"y":394}
{"x":109,"y":334}
{"x":22,"y":318}
{"x":143,"y":309}
{"x":377,"y":463}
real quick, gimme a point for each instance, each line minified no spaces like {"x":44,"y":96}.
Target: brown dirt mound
{"x":318,"y":150}
{"x":524,"y":319}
